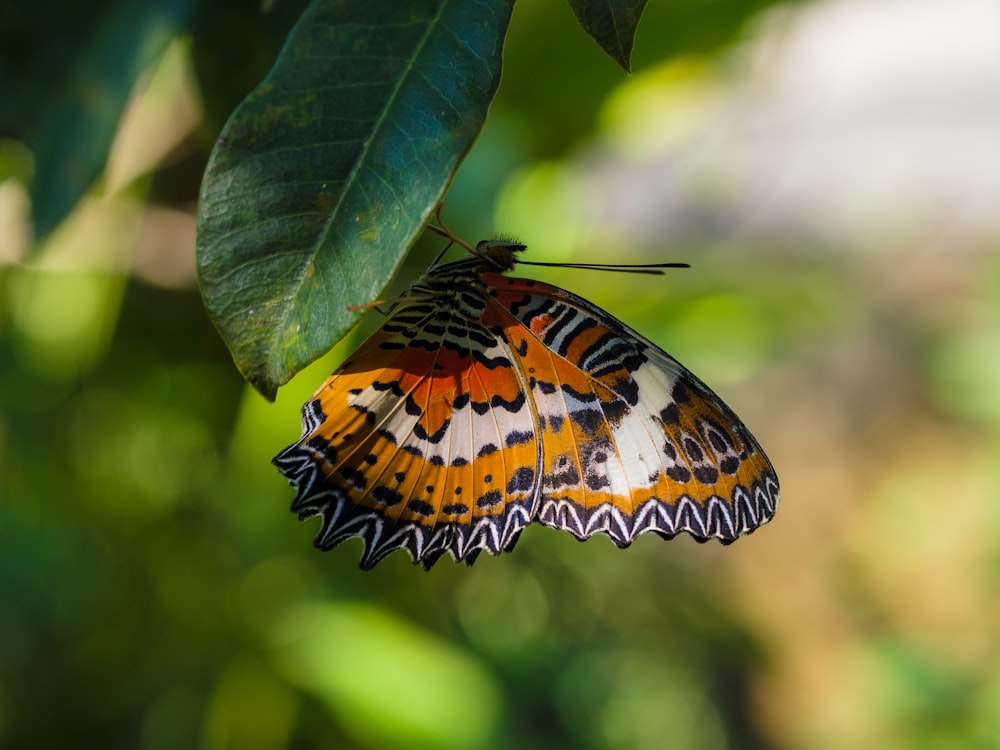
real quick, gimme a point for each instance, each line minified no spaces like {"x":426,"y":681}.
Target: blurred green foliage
{"x":156,"y":593}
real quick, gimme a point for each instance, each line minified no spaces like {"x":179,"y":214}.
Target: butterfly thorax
{"x":458,"y":287}
{"x":498,"y":254}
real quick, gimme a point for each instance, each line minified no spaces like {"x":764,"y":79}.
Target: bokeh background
{"x":830,"y":169}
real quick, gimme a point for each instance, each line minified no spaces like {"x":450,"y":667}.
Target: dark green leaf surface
{"x":326,"y":173}
{"x":612,"y":24}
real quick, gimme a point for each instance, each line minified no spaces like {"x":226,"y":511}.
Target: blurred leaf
{"x":40,"y":43}
{"x":71,"y":132}
{"x":325,"y":174}
{"x":16,"y":161}
{"x":389,"y":682}
{"x":554,"y":83}
{"x":612,"y":24}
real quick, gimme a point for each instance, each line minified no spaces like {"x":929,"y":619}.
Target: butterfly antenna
{"x":442,"y":229}
{"x":654,"y":269}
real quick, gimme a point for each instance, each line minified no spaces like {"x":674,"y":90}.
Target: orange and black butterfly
{"x":485,"y":403}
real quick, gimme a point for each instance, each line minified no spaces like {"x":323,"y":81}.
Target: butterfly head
{"x":499,"y":253}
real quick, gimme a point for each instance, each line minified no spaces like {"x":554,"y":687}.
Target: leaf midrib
{"x":299,"y":282}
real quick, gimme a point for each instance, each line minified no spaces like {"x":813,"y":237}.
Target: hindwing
{"x":631,"y":440}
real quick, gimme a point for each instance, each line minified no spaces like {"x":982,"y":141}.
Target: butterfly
{"x":485,"y":403}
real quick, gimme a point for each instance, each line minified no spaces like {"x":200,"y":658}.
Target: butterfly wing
{"x":632,"y":440}
{"x":420,"y":441}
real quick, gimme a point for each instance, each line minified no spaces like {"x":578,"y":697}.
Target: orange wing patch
{"x":421,"y":447}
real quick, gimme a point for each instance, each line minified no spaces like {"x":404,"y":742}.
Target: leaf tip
{"x":612,"y":24}
{"x":266,"y":388}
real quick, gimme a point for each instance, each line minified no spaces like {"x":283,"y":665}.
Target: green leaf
{"x":612,"y":24}
{"x":326,"y":173}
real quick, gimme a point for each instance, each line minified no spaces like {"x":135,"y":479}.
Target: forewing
{"x":421,"y":441}
{"x":632,"y":440}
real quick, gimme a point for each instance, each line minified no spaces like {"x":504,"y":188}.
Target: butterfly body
{"x":485,"y":403}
